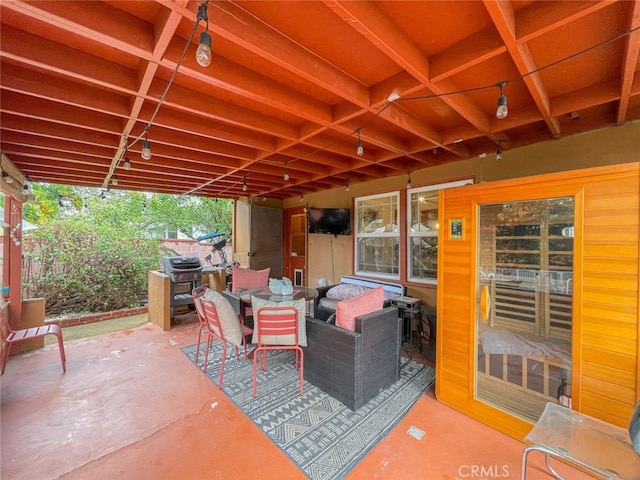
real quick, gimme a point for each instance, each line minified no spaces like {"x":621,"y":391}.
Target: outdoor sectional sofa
{"x":325,"y":303}
{"x":353,"y":367}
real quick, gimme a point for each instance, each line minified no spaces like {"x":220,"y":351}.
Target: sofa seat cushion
{"x":329,"y":303}
{"x":348,"y":310}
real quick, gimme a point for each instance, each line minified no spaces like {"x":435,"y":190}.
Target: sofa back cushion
{"x":246,"y":278}
{"x":348,"y":310}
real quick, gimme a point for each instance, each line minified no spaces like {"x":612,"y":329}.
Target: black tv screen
{"x":335,"y":221}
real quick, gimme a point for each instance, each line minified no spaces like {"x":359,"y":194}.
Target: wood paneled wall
{"x":606,"y":289}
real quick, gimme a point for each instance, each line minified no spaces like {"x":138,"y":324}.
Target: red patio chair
{"x":197,"y":293}
{"x":10,"y":337}
{"x":216,"y":328}
{"x":277,"y":329}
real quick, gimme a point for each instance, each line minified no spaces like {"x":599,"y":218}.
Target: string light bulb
{"x":408,"y":180}
{"x":146,"y":150}
{"x":127,"y":163}
{"x":203,"y":53}
{"x":6,"y":177}
{"x":499,"y":150}
{"x":502,"y":111}
{"x":301,"y":198}
{"x":285,"y":175}
{"x":346,"y":188}
{"x":359,"y":147}
{"x":244,"y":185}
{"x":114,"y":180}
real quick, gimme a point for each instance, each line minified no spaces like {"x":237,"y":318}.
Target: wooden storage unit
{"x":605,"y":289}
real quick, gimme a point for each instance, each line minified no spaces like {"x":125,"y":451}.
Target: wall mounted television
{"x":335,"y":221}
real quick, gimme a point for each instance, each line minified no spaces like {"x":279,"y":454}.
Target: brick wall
{"x":191,"y":248}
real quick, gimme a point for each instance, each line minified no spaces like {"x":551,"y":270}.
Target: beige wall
{"x":330,"y":257}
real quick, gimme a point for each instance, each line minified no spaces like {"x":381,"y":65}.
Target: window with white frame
{"x":422,"y":231}
{"x":377,"y":238}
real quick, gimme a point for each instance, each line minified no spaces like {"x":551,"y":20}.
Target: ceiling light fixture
{"x":127,"y":163}
{"x":203,"y":53}
{"x":244,"y":185}
{"x":502,"y":111}
{"x":346,"y":187}
{"x":285,"y":175}
{"x":301,"y":198}
{"x":409,"y":180}
{"x":499,"y":151}
{"x":114,"y":180}
{"x":359,"y":148}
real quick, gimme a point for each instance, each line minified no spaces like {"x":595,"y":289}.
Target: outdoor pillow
{"x":246,"y":278}
{"x":345,"y":291}
{"x":348,"y":310}
{"x":257,"y":303}
{"x":229,"y":321}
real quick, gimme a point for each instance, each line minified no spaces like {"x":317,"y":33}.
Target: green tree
{"x":92,"y":249}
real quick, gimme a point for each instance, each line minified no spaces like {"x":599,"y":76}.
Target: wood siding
{"x":605,"y":301}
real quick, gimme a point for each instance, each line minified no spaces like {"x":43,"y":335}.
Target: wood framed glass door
{"x":524,"y":315}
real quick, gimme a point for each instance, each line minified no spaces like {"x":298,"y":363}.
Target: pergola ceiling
{"x":293,"y":83}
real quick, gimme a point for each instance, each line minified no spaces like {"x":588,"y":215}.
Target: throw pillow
{"x":257,"y":303}
{"x":345,"y":291}
{"x":246,"y":278}
{"x":348,"y":310}
{"x":229,"y":322}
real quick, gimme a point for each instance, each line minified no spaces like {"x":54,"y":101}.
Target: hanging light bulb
{"x":6,"y":177}
{"x":203,"y":53}
{"x":499,"y":151}
{"x":114,"y":180}
{"x":502,"y":111}
{"x":146,"y":150}
{"x":359,"y":147}
{"x":301,"y":198}
{"x":244,"y":185}
{"x":346,"y":188}
{"x":127,"y":163}
{"x":285,"y":175}
{"x":408,"y":180}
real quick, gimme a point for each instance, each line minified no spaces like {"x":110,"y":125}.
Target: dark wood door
{"x":295,"y":244}
{"x":265,"y":248}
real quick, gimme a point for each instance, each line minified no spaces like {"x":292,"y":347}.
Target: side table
{"x":410,"y":310}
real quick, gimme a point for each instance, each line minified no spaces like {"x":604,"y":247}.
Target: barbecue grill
{"x":185,"y":274}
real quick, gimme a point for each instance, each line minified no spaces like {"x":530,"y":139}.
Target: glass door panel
{"x":524,"y":319}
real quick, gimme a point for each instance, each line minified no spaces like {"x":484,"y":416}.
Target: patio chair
{"x":222,"y":324}
{"x":9,"y":337}
{"x":602,"y":449}
{"x":246,"y":279}
{"x":277,"y":329}
{"x":198,"y":293}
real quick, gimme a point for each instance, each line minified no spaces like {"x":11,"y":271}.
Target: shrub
{"x":78,"y":266}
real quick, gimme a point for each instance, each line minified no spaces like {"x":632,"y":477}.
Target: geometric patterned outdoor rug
{"x":322,"y":436}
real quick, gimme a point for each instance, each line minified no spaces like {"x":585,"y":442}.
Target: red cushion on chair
{"x":348,"y":310}
{"x":246,"y":278}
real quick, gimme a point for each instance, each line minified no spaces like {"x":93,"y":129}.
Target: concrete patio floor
{"x":132,"y":406}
